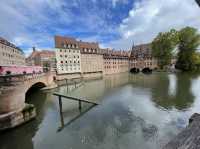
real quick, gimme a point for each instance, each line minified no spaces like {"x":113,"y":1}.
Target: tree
{"x":189,"y":41}
{"x":163,"y":46}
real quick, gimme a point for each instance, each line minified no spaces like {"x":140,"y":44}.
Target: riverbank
{"x":189,"y":138}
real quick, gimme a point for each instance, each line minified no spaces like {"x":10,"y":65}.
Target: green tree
{"x":163,"y":46}
{"x":189,"y":41}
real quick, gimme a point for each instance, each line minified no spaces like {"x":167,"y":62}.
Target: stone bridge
{"x":13,"y":109}
{"x":137,"y":65}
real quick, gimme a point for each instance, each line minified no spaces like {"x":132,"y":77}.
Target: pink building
{"x":6,"y":70}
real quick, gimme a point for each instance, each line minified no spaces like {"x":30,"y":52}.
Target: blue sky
{"x":112,"y":23}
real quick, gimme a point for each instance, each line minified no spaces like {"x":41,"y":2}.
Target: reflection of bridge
{"x":13,"y":89}
{"x":144,"y":70}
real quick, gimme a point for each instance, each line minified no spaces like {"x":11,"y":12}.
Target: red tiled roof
{"x":60,"y":41}
{"x":108,"y":53}
{"x":45,"y":53}
{"x":89,"y":45}
{"x":143,"y":50}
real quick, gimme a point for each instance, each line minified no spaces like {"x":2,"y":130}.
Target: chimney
{"x":34,"y":49}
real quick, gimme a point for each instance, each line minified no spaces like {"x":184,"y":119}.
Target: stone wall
{"x":91,"y":63}
{"x":115,"y":65}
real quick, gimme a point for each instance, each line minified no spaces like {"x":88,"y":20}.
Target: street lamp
{"x":198,"y":2}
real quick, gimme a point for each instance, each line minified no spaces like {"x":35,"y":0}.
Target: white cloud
{"x":149,"y":17}
{"x":115,"y":2}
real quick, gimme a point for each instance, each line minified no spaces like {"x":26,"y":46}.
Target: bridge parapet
{"x":19,"y":78}
{"x":13,"y":91}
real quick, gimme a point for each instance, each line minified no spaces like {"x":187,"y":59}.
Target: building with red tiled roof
{"x":93,"y":60}
{"x":68,"y":55}
{"x":115,"y":61}
{"x":44,"y":58}
{"x":141,"y":57}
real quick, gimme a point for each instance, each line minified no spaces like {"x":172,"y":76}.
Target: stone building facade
{"x":68,"y":55}
{"x":141,"y":57}
{"x":44,"y":58}
{"x":10,"y":55}
{"x":91,"y":58}
{"x":87,"y":59}
{"x":115,"y":61}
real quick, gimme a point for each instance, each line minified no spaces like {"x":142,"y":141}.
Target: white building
{"x":10,"y":55}
{"x":68,"y":55}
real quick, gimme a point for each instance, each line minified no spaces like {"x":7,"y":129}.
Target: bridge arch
{"x":147,"y":70}
{"x":34,"y":87}
{"x":134,"y":70}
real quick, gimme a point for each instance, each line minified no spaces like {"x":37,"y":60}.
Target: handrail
{"x":74,"y":98}
{"x":70,"y":98}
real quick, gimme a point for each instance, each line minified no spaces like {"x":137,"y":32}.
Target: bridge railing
{"x":13,"y":79}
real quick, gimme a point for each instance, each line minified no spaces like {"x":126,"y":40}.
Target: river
{"x":134,"y":112}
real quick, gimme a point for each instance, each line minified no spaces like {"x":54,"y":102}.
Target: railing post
{"x":79,"y":105}
{"x":75,"y":84}
{"x":61,"y":113}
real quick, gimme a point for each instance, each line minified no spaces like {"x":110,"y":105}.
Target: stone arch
{"x":34,"y":87}
{"x":147,"y":70}
{"x":134,"y":70}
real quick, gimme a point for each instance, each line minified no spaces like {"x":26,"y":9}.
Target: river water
{"x":134,"y":112}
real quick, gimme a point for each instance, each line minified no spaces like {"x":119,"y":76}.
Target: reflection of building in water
{"x":116,"y":80}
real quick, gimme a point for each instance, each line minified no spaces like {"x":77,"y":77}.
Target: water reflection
{"x":181,"y":98}
{"x":136,"y":111}
{"x":21,"y":137}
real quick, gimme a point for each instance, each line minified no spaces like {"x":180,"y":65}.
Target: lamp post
{"x":198,"y":2}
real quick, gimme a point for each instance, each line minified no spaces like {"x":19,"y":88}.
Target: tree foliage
{"x":189,"y":41}
{"x":163,"y":46}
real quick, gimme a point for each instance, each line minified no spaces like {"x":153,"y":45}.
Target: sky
{"x":113,"y":23}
